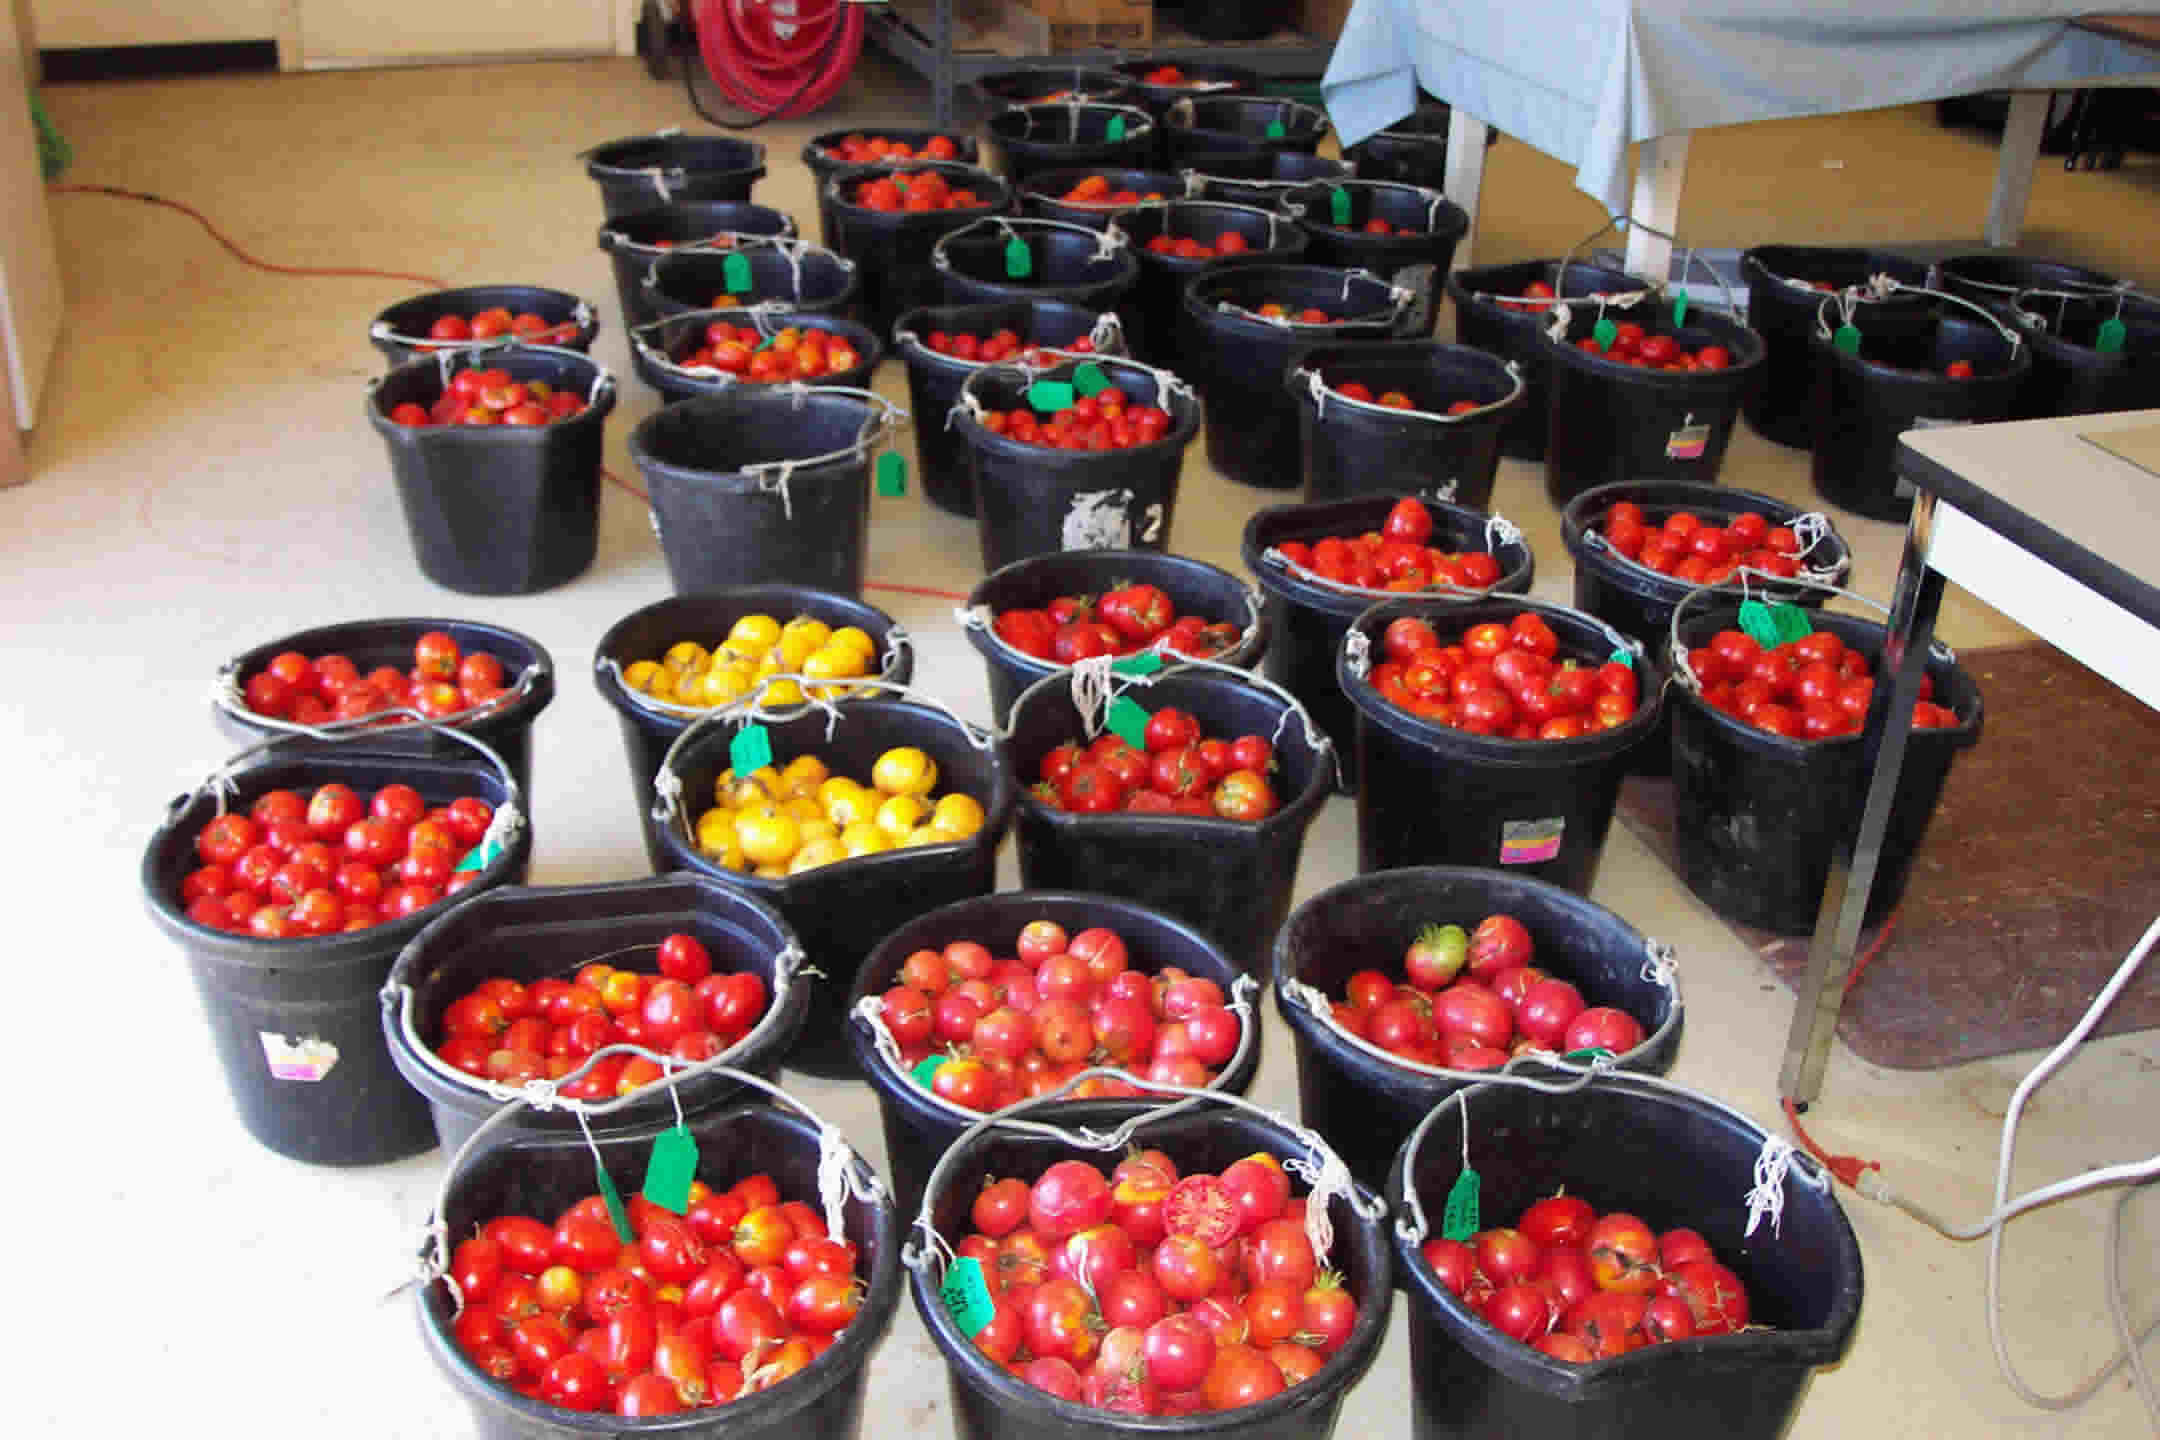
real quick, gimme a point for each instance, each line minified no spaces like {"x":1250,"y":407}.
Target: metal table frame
{"x":2103,"y":611}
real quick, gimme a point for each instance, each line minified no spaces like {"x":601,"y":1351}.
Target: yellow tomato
{"x":768,"y":836}
{"x":639,"y":675}
{"x":925,"y":835}
{"x":864,"y":838}
{"x":900,"y":814}
{"x":800,"y":638}
{"x":662,"y":685}
{"x":820,"y":829}
{"x":715,"y":830}
{"x":722,"y":685}
{"x":854,"y":637}
{"x":803,"y":775}
{"x":816,"y":853}
{"x":904,"y":770}
{"x":958,"y":813}
{"x":834,"y":662}
{"x":741,"y":794}
{"x":770,"y":872}
{"x":754,"y":634}
{"x":783,"y":692}
{"x":687,"y":657}
{"x":804,"y":807}
{"x":847,"y":802}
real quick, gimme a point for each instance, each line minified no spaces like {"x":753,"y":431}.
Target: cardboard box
{"x":1057,"y":27}
{"x":1322,"y":19}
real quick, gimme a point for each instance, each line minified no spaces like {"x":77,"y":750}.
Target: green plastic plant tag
{"x":1019,"y":260}
{"x":1338,"y":203}
{"x":1140,"y":662}
{"x":480,"y":856}
{"x":891,"y":474}
{"x":1116,"y":128}
{"x":1584,"y":1057}
{"x":2110,"y":336}
{"x":1622,"y":656}
{"x":1459,"y":1220}
{"x":1050,"y":396}
{"x":1604,"y":332}
{"x":1679,"y":307}
{"x":764,"y":344}
{"x":617,"y":1216}
{"x":1847,"y":339}
{"x":926,"y":1071}
{"x":1128,"y":722}
{"x":967,"y":1297}
{"x":735,"y":273}
{"x":750,"y":750}
{"x":671,"y":1169}
{"x":1275,"y":130}
{"x":1089,"y":379}
{"x":1790,"y":622}
{"x":1756,"y":622}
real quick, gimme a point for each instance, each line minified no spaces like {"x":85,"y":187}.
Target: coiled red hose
{"x":768,"y":73}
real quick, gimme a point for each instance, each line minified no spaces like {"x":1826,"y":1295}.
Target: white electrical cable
{"x":2128,"y":1174}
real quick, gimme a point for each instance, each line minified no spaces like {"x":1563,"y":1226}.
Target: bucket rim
{"x":1201,"y":304}
{"x":832,"y":185}
{"x":1253,"y":636}
{"x":910,"y":343}
{"x":538,"y":689}
{"x":1752,"y":352}
{"x":801,"y":253}
{"x":1455,"y":220}
{"x":615,"y":239}
{"x":2012,"y":377}
{"x":601,"y":392}
{"x":875,"y":413}
{"x":966,"y":144}
{"x":1278,"y":581}
{"x":600,"y":159}
{"x":1575,"y":530}
{"x":655,"y":363}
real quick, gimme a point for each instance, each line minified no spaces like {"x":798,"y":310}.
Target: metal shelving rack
{"x":932,"y":57}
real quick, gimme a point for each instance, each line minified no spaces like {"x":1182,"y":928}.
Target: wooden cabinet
{"x":30,"y":299}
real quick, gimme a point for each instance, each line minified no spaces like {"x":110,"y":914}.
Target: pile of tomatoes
{"x":1148,"y":1292}
{"x":782,"y":822}
{"x":1688,"y":547}
{"x":1537,"y":298}
{"x":730,"y":1298}
{"x":1398,"y":556}
{"x":1394,"y":399}
{"x":492,"y":397}
{"x":1023,"y":1025}
{"x":1632,"y":345}
{"x":495,"y":322}
{"x":1188,"y":247}
{"x":1474,"y":1000}
{"x":1179,"y":773}
{"x":330,"y":860}
{"x":877,"y":150}
{"x":1095,"y":190}
{"x":1167,"y":75}
{"x":442,"y":683}
{"x":1107,"y":420}
{"x":1309,"y":315}
{"x":1122,"y":621}
{"x":506,"y":1031}
{"x":918,"y":191}
{"x":1580,"y":1286}
{"x":1813,"y":688}
{"x":1000,"y":345}
{"x":797,"y":352}
{"x":756,"y":647}
{"x":1504,"y":680}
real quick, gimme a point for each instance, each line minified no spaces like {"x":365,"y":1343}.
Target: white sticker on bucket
{"x":309,"y":1059}
{"x":1530,"y":842}
{"x":1099,"y":520}
{"x":1687,"y":443}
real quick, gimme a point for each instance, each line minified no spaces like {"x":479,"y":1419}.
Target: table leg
{"x":1854,"y":860}
{"x":1660,"y":171}
{"x":1465,"y":175}
{"x":2014,"y":165}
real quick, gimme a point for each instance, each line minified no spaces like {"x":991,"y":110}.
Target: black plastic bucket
{"x":1432,"y":795}
{"x":1229,"y":879}
{"x":646,"y":172}
{"x":297,"y":1022}
{"x":1032,"y":500}
{"x":1865,"y":401}
{"x":1639,"y":602}
{"x":1756,"y":815}
{"x":1606,"y":421}
{"x":841,"y":911}
{"x":891,"y":248}
{"x":2071,"y":375}
{"x":1483,"y":321}
{"x":506,"y":726}
{"x":1427,"y":225}
{"x":1366,"y":1101}
{"x":1053,"y":84}
{"x":528,"y":934}
{"x":1041,"y":194}
{"x":1351,"y":447}
{"x":707,"y":616}
{"x":634,"y":242}
{"x":1782,"y":308}
{"x":1257,"y":177}
{"x":919,"y":1126}
{"x":783,"y":272}
{"x":400,"y":332}
{"x":2001,"y":279}
{"x":934,"y":379}
{"x":1065,"y":262}
{"x":762,"y":484}
{"x":659,"y":359}
{"x":543,"y":1175}
{"x":1030,"y":140}
{"x":1237,"y":359}
{"x":498,"y":509}
{"x":1270,"y":240}
{"x":988,"y":1403}
{"x":1195,"y":131}
{"x":1194,"y":588}
{"x":819,"y":157}
{"x":1412,"y":151}
{"x":1675,"y":1159}
{"x":1309,"y":619}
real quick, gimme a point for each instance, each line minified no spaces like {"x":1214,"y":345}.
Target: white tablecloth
{"x":1583,"y":79}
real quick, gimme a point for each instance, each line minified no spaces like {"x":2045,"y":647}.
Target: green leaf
{"x":1140,"y":662}
{"x":1128,"y":721}
{"x":1459,"y":1220}
{"x":1089,"y":379}
{"x":1847,"y":339}
{"x":2111,"y":335}
{"x":1338,"y":205}
{"x":750,"y":750}
{"x":671,"y":1169}
{"x":1019,"y":260}
{"x":735,"y":273}
{"x":891,"y":474}
{"x":1605,"y":332}
{"x":1756,"y":622}
{"x":1050,"y":396}
{"x":967,"y":1297}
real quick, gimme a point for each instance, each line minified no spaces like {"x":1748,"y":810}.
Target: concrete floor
{"x":204,"y":481}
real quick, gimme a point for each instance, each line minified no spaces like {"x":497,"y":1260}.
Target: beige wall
{"x":67,"y":24}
